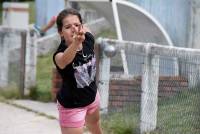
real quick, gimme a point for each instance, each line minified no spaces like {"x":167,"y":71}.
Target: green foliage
{"x":33,"y":93}
{"x":39,"y":95}
{"x":125,"y":122}
{"x":115,"y":124}
{"x":44,"y":96}
{"x":107,"y":33}
{"x":31,"y":12}
{"x":10,"y":92}
{"x":44,"y":75}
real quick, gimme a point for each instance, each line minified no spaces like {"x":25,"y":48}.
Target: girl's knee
{"x":66,"y":130}
{"x":93,"y":119}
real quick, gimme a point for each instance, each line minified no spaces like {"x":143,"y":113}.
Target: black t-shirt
{"x":78,"y":87}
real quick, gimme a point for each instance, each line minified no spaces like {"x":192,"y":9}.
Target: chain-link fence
{"x":179,"y":100}
{"x":161,"y":94}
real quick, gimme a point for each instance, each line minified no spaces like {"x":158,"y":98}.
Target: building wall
{"x":194,"y":32}
{"x":174,"y":16}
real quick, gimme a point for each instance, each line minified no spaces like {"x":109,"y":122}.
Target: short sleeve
{"x":61,"y":48}
{"x":90,"y":40}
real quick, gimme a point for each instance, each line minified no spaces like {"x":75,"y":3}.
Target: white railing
{"x":150,"y":73}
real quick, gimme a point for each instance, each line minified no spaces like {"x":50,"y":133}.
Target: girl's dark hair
{"x":63,"y":14}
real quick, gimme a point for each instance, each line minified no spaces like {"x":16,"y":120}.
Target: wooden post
{"x":4,"y":66}
{"x":22,"y":63}
{"x":149,"y":97}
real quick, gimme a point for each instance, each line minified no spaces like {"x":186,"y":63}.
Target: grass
{"x":42,"y":90}
{"x":10,"y":92}
{"x":125,"y":122}
{"x":179,"y":114}
{"x":107,"y":33}
{"x":44,"y":75}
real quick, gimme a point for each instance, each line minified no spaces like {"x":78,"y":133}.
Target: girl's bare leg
{"x":93,"y":122}
{"x":66,"y":130}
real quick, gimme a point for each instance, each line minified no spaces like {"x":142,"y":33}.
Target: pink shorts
{"x":75,"y":117}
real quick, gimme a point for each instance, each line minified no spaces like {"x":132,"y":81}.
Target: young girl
{"x":78,"y":98}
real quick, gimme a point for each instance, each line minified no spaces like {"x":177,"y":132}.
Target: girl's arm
{"x":64,"y":58}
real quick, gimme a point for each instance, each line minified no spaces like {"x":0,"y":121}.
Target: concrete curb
{"x":46,"y":109}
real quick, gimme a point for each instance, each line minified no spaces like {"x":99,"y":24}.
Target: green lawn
{"x":44,"y":76}
{"x":125,"y":122}
{"x":179,"y":114}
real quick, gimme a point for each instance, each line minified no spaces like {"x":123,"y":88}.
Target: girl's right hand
{"x":79,"y":35}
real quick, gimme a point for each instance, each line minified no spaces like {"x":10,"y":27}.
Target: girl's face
{"x":71,"y":24}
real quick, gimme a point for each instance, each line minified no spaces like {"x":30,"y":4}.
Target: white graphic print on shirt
{"x":85,"y":73}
